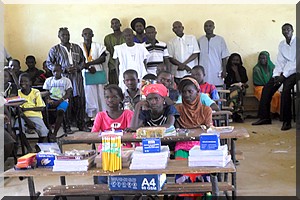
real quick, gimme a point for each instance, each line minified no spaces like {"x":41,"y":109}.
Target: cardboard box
{"x":151,"y":145}
{"x":45,"y":159}
{"x":209,"y":141}
{"x":153,"y":182}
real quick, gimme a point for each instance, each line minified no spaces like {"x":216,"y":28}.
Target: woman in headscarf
{"x":154,"y":111}
{"x":262,"y":72}
{"x":236,"y":82}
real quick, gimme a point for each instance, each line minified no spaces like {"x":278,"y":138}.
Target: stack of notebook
{"x":216,"y":158}
{"x":157,"y":160}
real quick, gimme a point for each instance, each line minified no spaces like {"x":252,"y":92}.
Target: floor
{"x":269,"y":167}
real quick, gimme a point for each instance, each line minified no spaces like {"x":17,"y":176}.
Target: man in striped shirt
{"x":157,"y":49}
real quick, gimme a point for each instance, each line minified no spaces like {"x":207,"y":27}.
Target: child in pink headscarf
{"x":155,"y":112}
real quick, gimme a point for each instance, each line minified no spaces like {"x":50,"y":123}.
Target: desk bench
{"x":103,"y":189}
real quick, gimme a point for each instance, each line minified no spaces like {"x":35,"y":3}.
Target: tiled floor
{"x":269,"y":167}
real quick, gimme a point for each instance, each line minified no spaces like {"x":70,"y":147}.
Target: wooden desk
{"x":174,"y":167}
{"x":193,"y":135}
{"x":17,"y":105}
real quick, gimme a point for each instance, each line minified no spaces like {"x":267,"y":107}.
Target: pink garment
{"x":186,"y":146}
{"x":103,"y":121}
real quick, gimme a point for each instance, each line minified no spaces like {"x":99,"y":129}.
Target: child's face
{"x":236,"y":60}
{"x":14,"y":65}
{"x":30,"y":63}
{"x":189,"y":93}
{"x":25,"y":83}
{"x":155,"y":101}
{"x":131,"y":81}
{"x":57,"y":72}
{"x":112,"y":99}
{"x":7,"y":77}
{"x":165,"y":79}
{"x":198,"y":75}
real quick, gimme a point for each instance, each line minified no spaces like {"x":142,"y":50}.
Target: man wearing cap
{"x":183,"y":52}
{"x":138,"y":25}
{"x":155,"y":112}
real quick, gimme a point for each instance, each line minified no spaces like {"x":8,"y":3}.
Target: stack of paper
{"x":157,"y":160}
{"x":216,"y":158}
{"x":69,"y":164}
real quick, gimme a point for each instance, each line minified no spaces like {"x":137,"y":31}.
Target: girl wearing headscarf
{"x":262,"y":72}
{"x":192,"y":112}
{"x":236,"y":82}
{"x":154,"y":111}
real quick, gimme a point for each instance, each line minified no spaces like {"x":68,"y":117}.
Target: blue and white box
{"x":152,"y":182}
{"x":151,"y":145}
{"x":209,"y":141}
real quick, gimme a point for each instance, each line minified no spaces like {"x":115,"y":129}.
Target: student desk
{"x":193,"y":135}
{"x":17,"y":105}
{"x":173,"y":167}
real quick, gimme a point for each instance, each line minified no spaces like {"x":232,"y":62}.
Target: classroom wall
{"x":247,"y":29}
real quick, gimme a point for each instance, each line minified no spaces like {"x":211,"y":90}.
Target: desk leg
{"x":214,"y":184}
{"x":21,"y":134}
{"x":232,"y":150}
{"x":33,"y":195}
{"x":63,"y":182}
{"x":234,"y":184}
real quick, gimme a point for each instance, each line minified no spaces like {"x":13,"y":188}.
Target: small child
{"x":32,"y":109}
{"x":61,"y":90}
{"x":132,"y":94}
{"x":166,"y":78}
{"x":15,"y":67}
{"x":33,"y":72}
{"x":198,"y":73}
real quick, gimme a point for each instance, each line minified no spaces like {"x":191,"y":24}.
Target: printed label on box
{"x":209,"y":141}
{"x":151,"y":145}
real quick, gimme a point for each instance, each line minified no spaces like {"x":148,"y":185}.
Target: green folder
{"x":97,"y":78}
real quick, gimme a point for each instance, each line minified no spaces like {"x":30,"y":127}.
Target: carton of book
{"x":152,"y":182}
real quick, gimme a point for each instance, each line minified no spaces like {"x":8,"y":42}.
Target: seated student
{"x":236,"y":82}
{"x":162,"y":67}
{"x":10,"y":88}
{"x":60,"y":89}
{"x":193,"y":114}
{"x":262,"y":73}
{"x":198,"y":73}
{"x":33,"y":72}
{"x":46,"y":74}
{"x":114,"y":114}
{"x":153,"y":111}
{"x":132,"y":94}
{"x":15,"y":67}
{"x":166,"y":78}
{"x":32,"y":109}
{"x":204,"y":99}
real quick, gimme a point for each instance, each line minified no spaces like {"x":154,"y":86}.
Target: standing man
{"x":130,"y":55}
{"x":184,"y":51}
{"x":213,"y":54}
{"x":138,"y":25}
{"x":95,"y":58}
{"x":111,"y":40}
{"x":284,"y":73}
{"x":71,"y":59}
{"x":157,"y":49}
